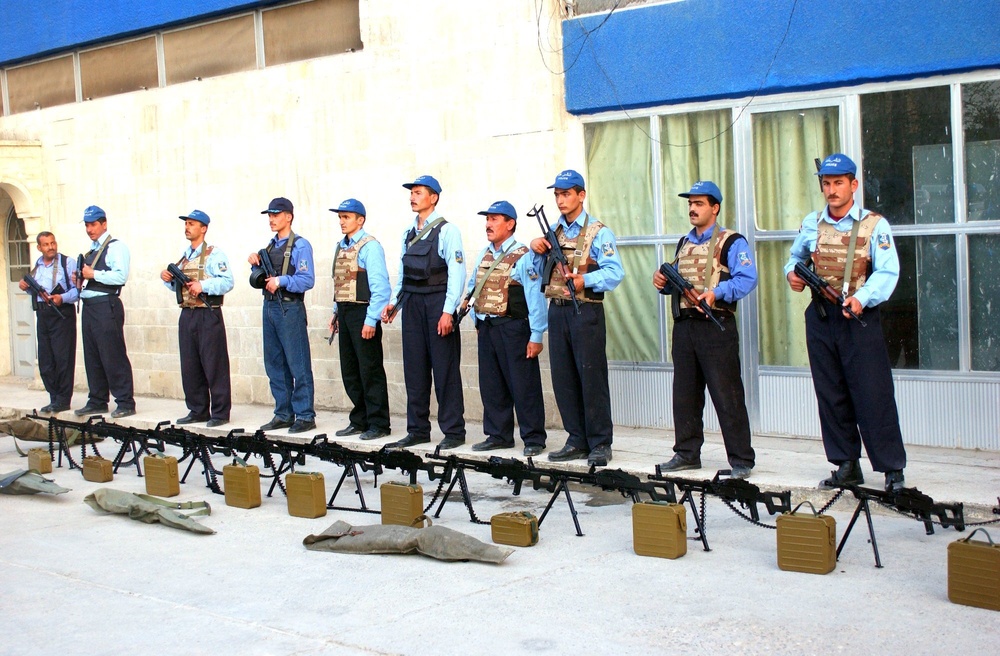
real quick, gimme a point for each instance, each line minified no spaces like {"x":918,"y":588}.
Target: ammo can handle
{"x":988,"y":537}
{"x":812,"y":507}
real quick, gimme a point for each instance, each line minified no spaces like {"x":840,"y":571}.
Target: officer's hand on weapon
{"x":254,"y":259}
{"x":334,"y":325}
{"x":367,"y":332}
{"x":23,"y":285}
{"x":708,"y":297}
{"x":659,"y":280}
{"x":795,"y":282}
{"x":855,"y":306}
{"x":194,"y":287}
{"x":577,"y":279}
{"x":272,"y":284}
{"x":56,"y":299}
{"x":445,"y":324}
{"x":541,"y":245}
{"x":387,"y":314}
{"x":166,"y":276}
{"x":533,"y":350}
{"x":87,"y":272}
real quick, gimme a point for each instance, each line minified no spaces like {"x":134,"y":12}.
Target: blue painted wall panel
{"x":32,"y":28}
{"x":696,"y":50}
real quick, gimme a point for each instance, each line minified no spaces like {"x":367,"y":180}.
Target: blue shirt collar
{"x":347,"y":241}
{"x":705,"y":236}
{"x":504,"y":246}
{"x":433,"y":215}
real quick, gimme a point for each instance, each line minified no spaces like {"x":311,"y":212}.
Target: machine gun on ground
{"x":684,"y":287}
{"x":182,"y":278}
{"x":556,"y":257}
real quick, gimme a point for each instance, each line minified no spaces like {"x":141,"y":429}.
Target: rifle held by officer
{"x":183,"y":279}
{"x":824,"y":290}
{"x":556,"y":256}
{"x":334,"y":327}
{"x":268,"y":268}
{"x":39,"y":292}
{"x":677,"y":281}
{"x":463,"y":308}
{"x":79,"y":271}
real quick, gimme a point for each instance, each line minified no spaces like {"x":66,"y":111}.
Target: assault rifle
{"x":333,"y":333}
{"x":395,"y":308}
{"x":41,"y":294}
{"x":79,"y":271}
{"x":462,"y":311}
{"x":684,"y":287}
{"x":182,"y":278}
{"x":556,"y":256}
{"x":268,"y":267}
{"x":823,"y":290}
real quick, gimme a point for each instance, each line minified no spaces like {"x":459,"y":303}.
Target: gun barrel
{"x":816,"y":282}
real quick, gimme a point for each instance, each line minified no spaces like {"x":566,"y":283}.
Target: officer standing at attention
{"x":286,"y":342}
{"x":55,"y":326}
{"x":577,"y":341}
{"x":201,"y":330}
{"x":509,"y":310}
{"x":105,"y":270}
{"x":429,"y":289}
{"x":852,"y":249}
{"x":360,"y":291}
{"x":718,"y":263}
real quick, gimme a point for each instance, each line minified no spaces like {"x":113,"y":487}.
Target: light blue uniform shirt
{"x":881,"y":247}
{"x":371,"y":258}
{"x":525,"y":273}
{"x":219,"y":277}
{"x":43,"y":274}
{"x":741,"y":267}
{"x":116,"y":256}
{"x":604,"y":251}
{"x":301,"y":273}
{"x":450,"y":250}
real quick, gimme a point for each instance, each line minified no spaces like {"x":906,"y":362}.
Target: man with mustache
{"x":853,"y":250}
{"x":718,"y":264}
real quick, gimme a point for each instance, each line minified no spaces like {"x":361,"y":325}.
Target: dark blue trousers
{"x":205,"y":362}
{"x":509,"y":382}
{"x":853,"y":381}
{"x":104,"y":355}
{"x":57,"y":351}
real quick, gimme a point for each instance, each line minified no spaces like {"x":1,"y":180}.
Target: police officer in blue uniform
{"x":286,"y":343}
{"x":201,"y":330}
{"x":55,"y":325}
{"x":105,"y":356}
{"x":360,"y":290}
{"x":429,"y":290}
{"x":505,"y":297}
{"x":577,"y":342}
{"x":849,"y":362}
{"x":718,"y":263}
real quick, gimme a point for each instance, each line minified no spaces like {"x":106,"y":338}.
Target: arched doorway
{"x":22,"y":318}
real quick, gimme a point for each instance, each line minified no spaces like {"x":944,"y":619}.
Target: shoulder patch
{"x":532,"y":273}
{"x":223,"y":267}
{"x":744,"y":258}
{"x":883,"y":242}
{"x":459,"y":257}
{"x":608,"y":249}
{"x":303,"y":265}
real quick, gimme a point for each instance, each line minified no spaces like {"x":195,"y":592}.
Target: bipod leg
{"x":460,"y":470}
{"x":283,"y":466}
{"x":699,"y":521}
{"x":190,"y":465}
{"x":562,"y":487}
{"x":350,"y":469}
{"x":862,"y":506}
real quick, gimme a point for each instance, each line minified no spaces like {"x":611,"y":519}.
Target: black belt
{"x":690,"y":313}
{"x":285,"y":299}
{"x":94,"y":300}
{"x":499,"y":321}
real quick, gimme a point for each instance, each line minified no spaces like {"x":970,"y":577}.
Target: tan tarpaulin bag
{"x":150,"y":510}
{"x":28,"y":482}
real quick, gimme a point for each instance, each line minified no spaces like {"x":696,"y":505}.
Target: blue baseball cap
{"x":93,"y":213}
{"x":350,"y":205}
{"x":278,"y":205}
{"x":501,"y":207}
{"x":567,"y":180}
{"x":425,"y":181}
{"x":704,"y":188}
{"x":837,"y":164}
{"x":197,"y":215}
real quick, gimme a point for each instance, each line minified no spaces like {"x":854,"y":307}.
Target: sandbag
{"x":28,"y":482}
{"x":149,"y":510}
{"x":434,"y":541}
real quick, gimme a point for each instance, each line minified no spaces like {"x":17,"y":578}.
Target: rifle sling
{"x":849,"y":260}
{"x":479,"y":285}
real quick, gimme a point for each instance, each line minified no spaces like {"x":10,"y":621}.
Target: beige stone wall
{"x":460,"y":90}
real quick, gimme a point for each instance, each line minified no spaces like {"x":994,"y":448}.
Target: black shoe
{"x":600,"y":456}
{"x":277,"y":424}
{"x":530,"y":449}
{"x":350,"y":430}
{"x":848,"y":473}
{"x":216,"y":421}
{"x":679,"y":463}
{"x":91,"y":409}
{"x":894,"y":480}
{"x":740,"y":471}
{"x":191,"y":418}
{"x":302,"y":425}
{"x":568,"y":453}
{"x":58,"y":407}
{"x":122,"y":412}
{"x":409,"y":440}
{"x":373,"y":434}
{"x":451,"y":443}
{"x":489,"y":445}
{"x":46,"y":408}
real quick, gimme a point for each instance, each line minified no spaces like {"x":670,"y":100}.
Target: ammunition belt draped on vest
{"x":97,"y":260}
{"x":500,"y":295}
{"x":350,"y":282}
{"x":195,"y":271}
{"x":424,"y":270}
{"x":830,"y":256}
{"x":556,"y":286}
{"x":691,"y":264}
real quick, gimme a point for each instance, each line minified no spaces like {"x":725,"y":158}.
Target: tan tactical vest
{"x":581,"y":261}
{"x":195,"y":271}
{"x":830,"y":256}
{"x":691,"y":262}
{"x":345,"y":272}
{"x":495,"y":293}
